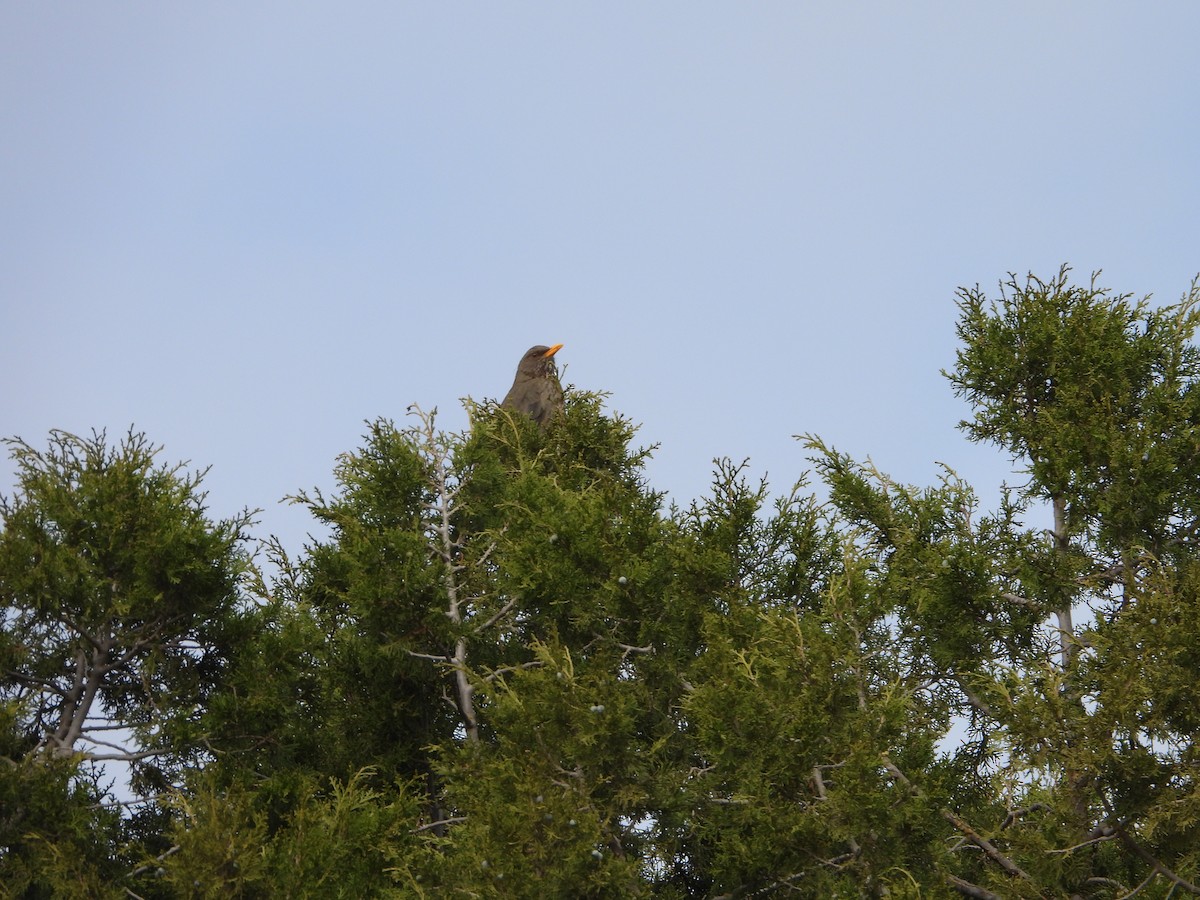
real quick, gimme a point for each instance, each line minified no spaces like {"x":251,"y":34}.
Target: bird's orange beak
{"x":549,"y":353}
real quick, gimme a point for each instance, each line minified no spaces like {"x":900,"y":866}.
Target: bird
{"x":536,"y":390}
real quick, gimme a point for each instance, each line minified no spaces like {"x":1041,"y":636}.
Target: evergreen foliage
{"x":510,"y":670}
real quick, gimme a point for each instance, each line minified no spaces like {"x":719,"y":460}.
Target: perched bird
{"x":536,"y":391}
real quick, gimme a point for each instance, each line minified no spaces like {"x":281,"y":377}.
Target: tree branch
{"x":432,"y":657}
{"x":442,"y":508}
{"x":505,"y":670}
{"x":440,"y":823}
{"x":971,"y":890}
{"x":974,"y":699}
{"x":958,"y":822}
{"x":1156,"y":866}
{"x":986,"y":846}
{"x":123,"y":757}
{"x":1105,"y":833}
{"x":154,"y":863}
{"x":504,"y":610}
{"x":1017,"y":599}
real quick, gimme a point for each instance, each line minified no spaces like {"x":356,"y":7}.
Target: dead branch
{"x":442,"y":507}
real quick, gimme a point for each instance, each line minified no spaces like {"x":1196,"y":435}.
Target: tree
{"x":119,"y":595}
{"x":510,"y":670}
{"x":1097,"y":397}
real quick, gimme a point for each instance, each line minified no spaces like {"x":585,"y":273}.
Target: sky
{"x":247,"y":228}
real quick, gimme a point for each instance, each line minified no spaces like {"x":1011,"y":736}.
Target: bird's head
{"x":538,"y":362}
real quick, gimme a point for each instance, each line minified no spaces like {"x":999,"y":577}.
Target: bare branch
{"x":898,"y":775}
{"x":819,"y":783}
{"x":123,"y":757}
{"x":985,"y":845}
{"x":441,"y":823}
{"x":649,"y":648}
{"x":1156,"y":865}
{"x":1105,"y":833}
{"x":974,"y":699}
{"x":441,"y":507}
{"x":1017,"y":599}
{"x":971,"y":890}
{"x":87,"y":736}
{"x":432,"y":657}
{"x":505,"y":670}
{"x":1144,"y":882}
{"x":972,"y":835}
{"x":466,"y":690}
{"x":153,"y":864}
{"x":504,"y":610}
{"x":1014,"y":814}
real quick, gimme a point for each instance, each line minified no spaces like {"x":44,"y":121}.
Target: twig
{"x":118,"y":757}
{"x":1137,"y":890}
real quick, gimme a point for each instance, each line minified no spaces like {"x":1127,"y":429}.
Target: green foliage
{"x":54,"y":841}
{"x":1096,"y":395}
{"x":342,"y":839}
{"x":508,"y":670}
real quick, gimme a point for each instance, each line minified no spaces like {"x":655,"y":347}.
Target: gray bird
{"x":536,"y":391}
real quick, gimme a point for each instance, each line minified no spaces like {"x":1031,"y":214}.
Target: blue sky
{"x":246,"y":228}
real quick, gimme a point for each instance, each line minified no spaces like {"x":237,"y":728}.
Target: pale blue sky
{"x":245,"y":228}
